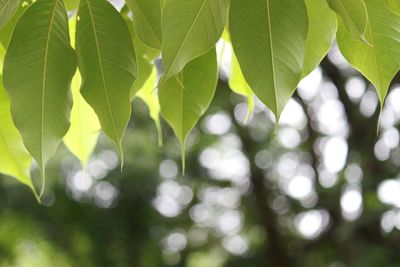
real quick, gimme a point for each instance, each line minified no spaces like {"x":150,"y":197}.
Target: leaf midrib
{"x":272,"y":56}
{"x":185,"y":38}
{"x":46,"y":55}
{"x":102,"y":71}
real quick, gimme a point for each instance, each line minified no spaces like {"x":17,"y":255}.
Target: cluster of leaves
{"x":106,"y":57}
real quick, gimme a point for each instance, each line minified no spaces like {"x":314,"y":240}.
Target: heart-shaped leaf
{"x":106,"y":60}
{"x":268,"y":38}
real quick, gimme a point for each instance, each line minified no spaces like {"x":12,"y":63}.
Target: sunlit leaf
{"x":321,"y":33}
{"x":269,"y":39}
{"x":71,"y":4}
{"x":149,"y":96}
{"x":82,"y":136}
{"x":147,"y":19}
{"x":106,"y":60}
{"x":7,"y":10}
{"x":393,"y":5}
{"x":354,"y":15}
{"x":190,"y":29}
{"x":381,"y":61}
{"x":15,"y":160}
{"x":38,"y":69}
{"x":186,"y":96}
{"x":239,"y":85}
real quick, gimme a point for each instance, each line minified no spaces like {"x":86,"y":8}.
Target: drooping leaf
{"x":321,"y":33}
{"x":380,"y":62}
{"x":354,"y":15}
{"x":186,"y":96}
{"x":38,"y":69}
{"x":393,"y":5}
{"x":150,"y":98}
{"x":7,"y":10}
{"x":82,"y":136}
{"x":15,"y":160}
{"x":106,"y":60}
{"x":268,"y":38}
{"x":190,"y":29}
{"x":147,"y":19}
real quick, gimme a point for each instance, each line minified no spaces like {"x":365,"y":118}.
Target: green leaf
{"x":237,"y":82}
{"x":144,"y":57}
{"x":380,"y":62}
{"x":7,"y":31}
{"x":239,"y":85}
{"x":269,"y":38}
{"x":38,"y":69}
{"x":393,"y":5}
{"x":7,"y":10}
{"x":149,"y":96}
{"x":71,"y":4}
{"x":354,"y":16}
{"x":81,"y":138}
{"x":186,"y":96}
{"x":190,"y":29}
{"x":147,"y":19}
{"x":321,"y":33}
{"x":106,"y":60}
{"x":15,"y":160}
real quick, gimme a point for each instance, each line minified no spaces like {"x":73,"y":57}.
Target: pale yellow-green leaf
{"x":81,"y":138}
{"x":393,"y":5}
{"x":83,"y":133}
{"x":149,"y":96}
{"x":15,"y":160}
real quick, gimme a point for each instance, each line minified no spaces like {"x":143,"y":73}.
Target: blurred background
{"x":324,"y":192}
